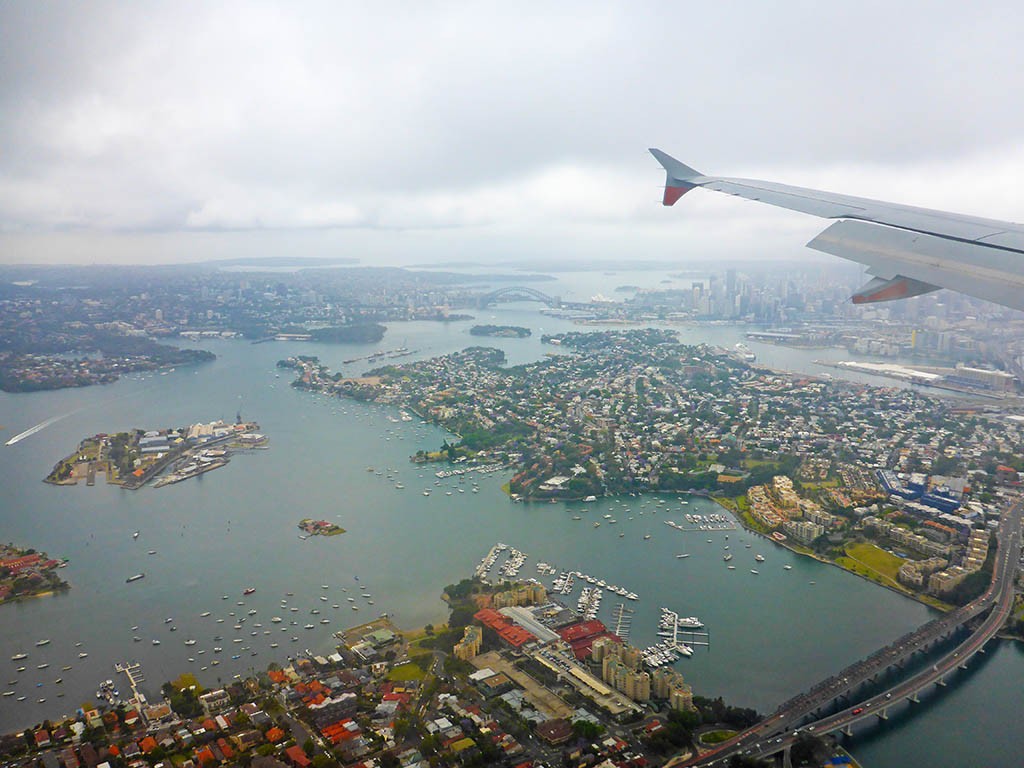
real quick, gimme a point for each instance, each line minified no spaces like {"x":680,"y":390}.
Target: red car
{"x":858,"y":710}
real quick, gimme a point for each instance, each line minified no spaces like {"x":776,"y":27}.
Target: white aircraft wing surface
{"x":909,"y":250}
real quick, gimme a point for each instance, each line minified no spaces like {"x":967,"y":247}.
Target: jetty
{"x":133,"y":671}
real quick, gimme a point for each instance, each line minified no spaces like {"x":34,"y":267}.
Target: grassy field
{"x":812,"y":485}
{"x":405,"y":672}
{"x":875,"y":558}
{"x":716,"y":737}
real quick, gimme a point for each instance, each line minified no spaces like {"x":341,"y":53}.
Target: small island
{"x":505,"y":331}
{"x":28,"y":573}
{"x":132,"y":459}
{"x":319,"y":528}
{"x":357,"y":333}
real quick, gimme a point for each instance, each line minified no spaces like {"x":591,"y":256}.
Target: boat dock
{"x":133,"y":671}
{"x":623,"y":620}
{"x":682,"y":636}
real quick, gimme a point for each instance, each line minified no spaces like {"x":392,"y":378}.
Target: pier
{"x":623,"y":620}
{"x":688,"y":637}
{"x":133,"y":671}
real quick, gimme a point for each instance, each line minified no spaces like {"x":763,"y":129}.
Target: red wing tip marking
{"x":672,"y":194}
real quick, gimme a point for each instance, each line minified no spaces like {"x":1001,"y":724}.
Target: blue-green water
{"x":772,"y":634}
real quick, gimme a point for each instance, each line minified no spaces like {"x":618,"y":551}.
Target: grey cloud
{"x":501,"y":120}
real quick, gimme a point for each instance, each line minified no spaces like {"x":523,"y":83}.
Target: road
{"x":777,"y":733}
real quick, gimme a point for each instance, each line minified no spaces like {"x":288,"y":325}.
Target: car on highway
{"x":857,"y":711}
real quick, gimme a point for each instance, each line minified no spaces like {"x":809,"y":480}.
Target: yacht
{"x":759,"y":558}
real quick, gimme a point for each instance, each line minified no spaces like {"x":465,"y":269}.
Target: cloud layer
{"x":171,"y":131}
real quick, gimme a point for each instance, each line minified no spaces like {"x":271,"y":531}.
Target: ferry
{"x":40,"y":643}
{"x":19,"y":656}
{"x":136,"y":577}
{"x":204,"y":614}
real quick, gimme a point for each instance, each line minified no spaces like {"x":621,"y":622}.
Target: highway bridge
{"x":802,"y":714}
{"x":517,"y":293}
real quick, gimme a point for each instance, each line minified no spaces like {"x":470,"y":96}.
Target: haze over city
{"x":160,"y":132}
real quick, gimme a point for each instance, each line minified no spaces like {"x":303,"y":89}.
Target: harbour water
{"x":771,"y":634}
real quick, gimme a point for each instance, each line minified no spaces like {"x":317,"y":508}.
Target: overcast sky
{"x":403,"y":132}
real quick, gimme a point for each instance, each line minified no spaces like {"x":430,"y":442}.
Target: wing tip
{"x":678,"y":176}
{"x":676,"y":170}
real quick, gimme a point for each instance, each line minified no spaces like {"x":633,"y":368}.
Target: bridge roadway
{"x":776,"y":733}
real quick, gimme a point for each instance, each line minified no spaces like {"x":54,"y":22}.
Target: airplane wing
{"x":908,"y":250}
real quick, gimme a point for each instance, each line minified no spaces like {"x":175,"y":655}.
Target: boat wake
{"x":37,"y":428}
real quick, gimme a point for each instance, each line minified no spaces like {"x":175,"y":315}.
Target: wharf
{"x":623,"y":621}
{"x":133,"y":671}
{"x":690,"y":637}
{"x":176,"y":478}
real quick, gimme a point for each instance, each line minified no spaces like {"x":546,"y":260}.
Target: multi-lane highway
{"x":779,"y":730}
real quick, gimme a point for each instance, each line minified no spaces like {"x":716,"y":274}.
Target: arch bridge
{"x":517,"y":293}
